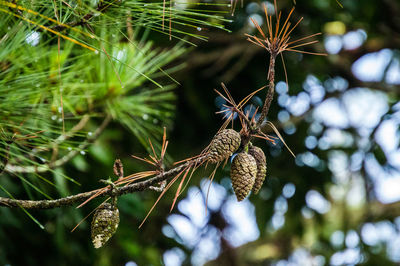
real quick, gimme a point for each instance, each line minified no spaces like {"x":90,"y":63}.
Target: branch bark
{"x":254,"y":129}
{"x":271,"y":90}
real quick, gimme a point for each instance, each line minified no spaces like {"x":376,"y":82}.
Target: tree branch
{"x":271,"y":89}
{"x":70,"y":200}
{"x":254,"y":129}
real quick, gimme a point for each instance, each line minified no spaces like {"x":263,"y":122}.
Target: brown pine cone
{"x":104,"y":224}
{"x":259,"y":155}
{"x":243,"y":174}
{"x":225,"y":143}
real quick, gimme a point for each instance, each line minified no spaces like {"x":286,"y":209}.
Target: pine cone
{"x":104,"y":224}
{"x":259,"y":155}
{"x":243,"y":174}
{"x":223,"y":145}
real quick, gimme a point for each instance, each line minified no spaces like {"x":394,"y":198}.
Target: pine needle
{"x":280,"y":137}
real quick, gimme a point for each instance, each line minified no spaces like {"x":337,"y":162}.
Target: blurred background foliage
{"x":120,"y":75}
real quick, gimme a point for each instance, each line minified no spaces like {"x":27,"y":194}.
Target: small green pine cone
{"x":104,"y":224}
{"x":224,"y":144}
{"x":259,"y":155}
{"x":243,"y":174}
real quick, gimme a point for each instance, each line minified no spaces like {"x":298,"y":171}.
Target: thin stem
{"x":4,"y":160}
{"x":46,"y":167}
{"x":271,"y":89}
{"x":81,"y":124}
{"x":253,"y":130}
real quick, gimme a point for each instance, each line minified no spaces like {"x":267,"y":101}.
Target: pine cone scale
{"x":104,"y":224}
{"x":261,"y":161}
{"x":243,"y":173}
{"x":223,"y":145}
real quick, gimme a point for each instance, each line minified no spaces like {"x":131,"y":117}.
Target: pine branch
{"x":134,"y":187}
{"x":255,"y":127}
{"x":271,"y":90}
{"x":70,"y":200}
{"x":275,"y":41}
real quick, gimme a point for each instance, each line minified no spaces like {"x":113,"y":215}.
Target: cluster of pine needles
{"x":277,"y":39}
